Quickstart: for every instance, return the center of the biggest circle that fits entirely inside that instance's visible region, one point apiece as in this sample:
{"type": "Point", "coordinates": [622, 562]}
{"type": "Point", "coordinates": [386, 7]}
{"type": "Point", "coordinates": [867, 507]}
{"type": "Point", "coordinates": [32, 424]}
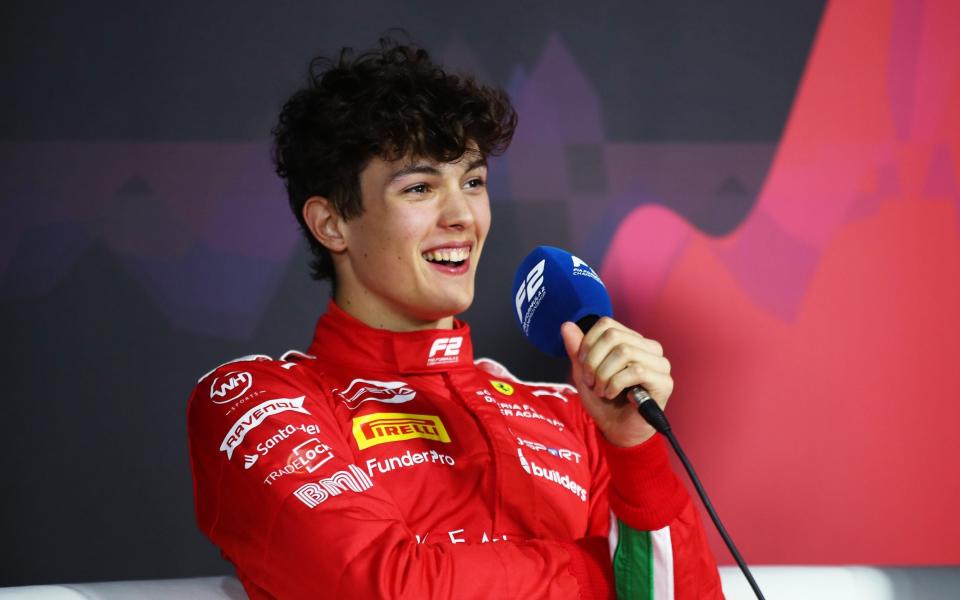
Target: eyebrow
{"type": "Point", "coordinates": [432, 170]}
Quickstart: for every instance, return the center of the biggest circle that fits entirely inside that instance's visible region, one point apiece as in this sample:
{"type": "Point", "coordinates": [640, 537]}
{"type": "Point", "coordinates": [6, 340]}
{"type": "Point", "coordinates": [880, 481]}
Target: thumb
{"type": "Point", "coordinates": [572, 338]}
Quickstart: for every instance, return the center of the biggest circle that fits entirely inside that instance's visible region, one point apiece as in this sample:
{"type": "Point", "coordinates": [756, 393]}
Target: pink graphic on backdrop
{"type": "Point", "coordinates": [814, 346]}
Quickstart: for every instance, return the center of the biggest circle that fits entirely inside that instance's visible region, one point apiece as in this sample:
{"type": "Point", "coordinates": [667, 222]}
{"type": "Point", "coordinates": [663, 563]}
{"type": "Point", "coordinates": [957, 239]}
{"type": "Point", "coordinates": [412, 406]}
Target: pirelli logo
{"type": "Point", "coordinates": [380, 428]}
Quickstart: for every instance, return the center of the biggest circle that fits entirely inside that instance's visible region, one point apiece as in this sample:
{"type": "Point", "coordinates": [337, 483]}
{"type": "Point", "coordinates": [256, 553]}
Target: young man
{"type": "Point", "coordinates": [386, 461]}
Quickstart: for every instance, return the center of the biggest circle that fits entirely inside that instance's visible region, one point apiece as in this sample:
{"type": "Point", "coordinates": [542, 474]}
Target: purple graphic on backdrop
{"type": "Point", "coordinates": [205, 230]}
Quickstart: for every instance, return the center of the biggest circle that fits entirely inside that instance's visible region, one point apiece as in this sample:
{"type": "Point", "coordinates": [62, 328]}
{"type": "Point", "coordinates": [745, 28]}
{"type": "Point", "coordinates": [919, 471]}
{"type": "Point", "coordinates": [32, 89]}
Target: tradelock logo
{"type": "Point", "coordinates": [230, 386]}
{"type": "Point", "coordinates": [388, 392]}
{"type": "Point", "coordinates": [308, 456]}
{"type": "Point", "coordinates": [351, 479]}
{"type": "Point", "coordinates": [445, 350]}
{"type": "Point", "coordinates": [257, 415]}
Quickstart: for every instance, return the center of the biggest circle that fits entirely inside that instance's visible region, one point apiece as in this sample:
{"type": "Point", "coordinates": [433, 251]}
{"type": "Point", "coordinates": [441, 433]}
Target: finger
{"type": "Point", "coordinates": [620, 357]}
{"type": "Point", "coordinates": [598, 329]}
{"type": "Point", "coordinates": [658, 385]}
{"type": "Point", "coordinates": [605, 343]}
{"type": "Point", "coordinates": [605, 324]}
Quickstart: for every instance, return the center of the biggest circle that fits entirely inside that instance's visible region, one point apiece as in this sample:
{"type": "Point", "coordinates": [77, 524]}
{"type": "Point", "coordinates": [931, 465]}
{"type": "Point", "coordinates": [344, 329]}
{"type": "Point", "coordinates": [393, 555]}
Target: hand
{"type": "Point", "coordinates": [607, 360]}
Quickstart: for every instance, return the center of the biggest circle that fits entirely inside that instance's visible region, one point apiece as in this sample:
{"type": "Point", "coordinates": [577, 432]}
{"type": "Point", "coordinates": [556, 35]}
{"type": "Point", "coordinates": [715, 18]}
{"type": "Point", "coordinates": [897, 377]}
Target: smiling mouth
{"type": "Point", "coordinates": [448, 257]}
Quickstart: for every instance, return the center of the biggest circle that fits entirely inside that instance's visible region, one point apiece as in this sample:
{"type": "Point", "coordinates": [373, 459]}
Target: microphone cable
{"type": "Point", "coordinates": [653, 414]}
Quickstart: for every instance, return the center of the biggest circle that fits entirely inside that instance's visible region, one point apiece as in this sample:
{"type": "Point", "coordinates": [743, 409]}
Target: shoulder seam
{"type": "Point", "coordinates": [247, 358]}
{"type": "Point", "coordinates": [515, 379]}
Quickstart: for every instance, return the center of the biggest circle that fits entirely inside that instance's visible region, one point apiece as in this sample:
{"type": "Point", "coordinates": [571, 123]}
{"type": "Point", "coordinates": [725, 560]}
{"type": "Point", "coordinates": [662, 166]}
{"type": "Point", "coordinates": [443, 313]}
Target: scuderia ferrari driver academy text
{"type": "Point", "coordinates": [384, 464]}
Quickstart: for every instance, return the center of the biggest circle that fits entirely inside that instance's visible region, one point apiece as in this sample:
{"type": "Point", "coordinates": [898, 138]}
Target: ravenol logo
{"type": "Point", "coordinates": [502, 386]}
{"type": "Point", "coordinates": [257, 415]}
{"type": "Point", "coordinates": [381, 428]}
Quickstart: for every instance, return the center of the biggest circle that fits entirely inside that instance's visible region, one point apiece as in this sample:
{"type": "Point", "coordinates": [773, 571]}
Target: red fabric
{"type": "Point", "coordinates": [391, 465]}
{"type": "Point", "coordinates": [590, 564]}
{"type": "Point", "coordinates": [646, 494]}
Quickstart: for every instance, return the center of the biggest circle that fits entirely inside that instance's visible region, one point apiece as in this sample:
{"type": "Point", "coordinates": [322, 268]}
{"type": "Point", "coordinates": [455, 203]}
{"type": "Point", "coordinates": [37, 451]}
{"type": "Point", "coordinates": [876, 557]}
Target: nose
{"type": "Point", "coordinates": [457, 212]}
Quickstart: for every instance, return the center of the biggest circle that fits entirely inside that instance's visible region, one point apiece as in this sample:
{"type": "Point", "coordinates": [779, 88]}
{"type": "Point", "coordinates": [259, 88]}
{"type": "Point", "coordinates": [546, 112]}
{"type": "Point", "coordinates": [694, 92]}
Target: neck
{"type": "Point", "coordinates": [372, 315]}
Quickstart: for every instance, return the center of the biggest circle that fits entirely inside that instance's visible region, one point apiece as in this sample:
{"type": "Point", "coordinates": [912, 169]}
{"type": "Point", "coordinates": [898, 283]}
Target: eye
{"type": "Point", "coordinates": [420, 188]}
{"type": "Point", "coordinates": [476, 182]}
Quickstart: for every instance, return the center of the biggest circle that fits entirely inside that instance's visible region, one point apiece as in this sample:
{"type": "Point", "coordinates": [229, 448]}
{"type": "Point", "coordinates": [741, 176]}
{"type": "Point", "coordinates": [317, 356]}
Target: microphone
{"type": "Point", "coordinates": [553, 286]}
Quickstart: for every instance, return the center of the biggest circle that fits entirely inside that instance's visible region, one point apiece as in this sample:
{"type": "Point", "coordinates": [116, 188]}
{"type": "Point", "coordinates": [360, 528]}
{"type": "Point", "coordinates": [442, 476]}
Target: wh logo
{"type": "Point", "coordinates": [529, 287]}
{"type": "Point", "coordinates": [230, 386]}
{"type": "Point", "coordinates": [450, 347]}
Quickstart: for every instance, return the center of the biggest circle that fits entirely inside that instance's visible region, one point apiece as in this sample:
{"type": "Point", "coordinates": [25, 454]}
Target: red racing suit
{"type": "Point", "coordinates": [385, 464]}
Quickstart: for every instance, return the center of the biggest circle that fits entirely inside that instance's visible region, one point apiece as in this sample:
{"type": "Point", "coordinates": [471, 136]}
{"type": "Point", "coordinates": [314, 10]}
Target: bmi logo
{"type": "Point", "coordinates": [351, 479]}
{"type": "Point", "coordinates": [445, 350]}
{"type": "Point", "coordinates": [381, 428]}
{"type": "Point", "coordinates": [230, 386]}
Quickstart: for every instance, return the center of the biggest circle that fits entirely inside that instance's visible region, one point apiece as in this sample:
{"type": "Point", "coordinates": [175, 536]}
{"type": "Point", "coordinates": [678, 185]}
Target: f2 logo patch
{"type": "Point", "coordinates": [445, 350]}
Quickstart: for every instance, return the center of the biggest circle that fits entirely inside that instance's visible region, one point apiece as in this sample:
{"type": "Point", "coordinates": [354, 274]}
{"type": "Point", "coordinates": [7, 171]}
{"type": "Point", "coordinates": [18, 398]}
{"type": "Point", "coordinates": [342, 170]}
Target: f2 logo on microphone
{"type": "Point", "coordinates": [529, 287]}
{"type": "Point", "coordinates": [450, 347]}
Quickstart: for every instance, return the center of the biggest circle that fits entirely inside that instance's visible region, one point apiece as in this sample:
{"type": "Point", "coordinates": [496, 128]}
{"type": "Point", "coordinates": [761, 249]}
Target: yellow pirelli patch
{"type": "Point", "coordinates": [381, 428]}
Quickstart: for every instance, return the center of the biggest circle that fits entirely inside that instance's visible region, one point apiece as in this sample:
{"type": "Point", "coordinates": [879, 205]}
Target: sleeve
{"type": "Point", "coordinates": [278, 489]}
{"type": "Point", "coordinates": [658, 543]}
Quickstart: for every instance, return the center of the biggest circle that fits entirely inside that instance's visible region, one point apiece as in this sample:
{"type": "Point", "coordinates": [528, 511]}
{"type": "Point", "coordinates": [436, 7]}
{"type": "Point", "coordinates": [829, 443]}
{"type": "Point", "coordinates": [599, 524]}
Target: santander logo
{"type": "Point", "coordinates": [388, 392]}
{"type": "Point", "coordinates": [230, 386]}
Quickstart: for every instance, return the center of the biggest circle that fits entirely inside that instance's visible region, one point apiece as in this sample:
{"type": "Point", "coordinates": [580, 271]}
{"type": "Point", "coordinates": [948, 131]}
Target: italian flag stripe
{"type": "Point", "coordinates": [643, 564]}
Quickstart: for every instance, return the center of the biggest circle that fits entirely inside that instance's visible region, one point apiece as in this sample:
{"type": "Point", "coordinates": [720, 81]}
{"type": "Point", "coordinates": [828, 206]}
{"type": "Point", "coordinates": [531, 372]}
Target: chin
{"type": "Point", "coordinates": [452, 306]}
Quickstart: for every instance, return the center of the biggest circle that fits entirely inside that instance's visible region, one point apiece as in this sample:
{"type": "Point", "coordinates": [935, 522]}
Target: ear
{"type": "Point", "coordinates": [325, 223]}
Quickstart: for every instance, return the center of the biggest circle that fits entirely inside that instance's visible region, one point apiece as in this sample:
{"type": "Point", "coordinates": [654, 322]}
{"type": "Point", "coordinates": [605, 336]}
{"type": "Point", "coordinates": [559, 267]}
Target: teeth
{"type": "Point", "coordinates": [448, 255]}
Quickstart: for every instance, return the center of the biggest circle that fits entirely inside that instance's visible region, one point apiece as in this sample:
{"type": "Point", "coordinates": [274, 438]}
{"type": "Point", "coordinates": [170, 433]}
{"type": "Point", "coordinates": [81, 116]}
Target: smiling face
{"type": "Point", "coordinates": [409, 260]}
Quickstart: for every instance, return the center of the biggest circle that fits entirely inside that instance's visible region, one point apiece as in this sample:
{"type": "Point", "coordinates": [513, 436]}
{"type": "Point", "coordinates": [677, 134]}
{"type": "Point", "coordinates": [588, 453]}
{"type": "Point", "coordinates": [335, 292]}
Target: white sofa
{"type": "Point", "coordinates": [777, 583]}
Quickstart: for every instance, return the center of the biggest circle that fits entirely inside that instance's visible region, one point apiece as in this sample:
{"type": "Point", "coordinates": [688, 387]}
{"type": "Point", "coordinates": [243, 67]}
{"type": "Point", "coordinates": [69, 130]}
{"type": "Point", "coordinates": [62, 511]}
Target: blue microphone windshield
{"type": "Point", "coordinates": [552, 286]}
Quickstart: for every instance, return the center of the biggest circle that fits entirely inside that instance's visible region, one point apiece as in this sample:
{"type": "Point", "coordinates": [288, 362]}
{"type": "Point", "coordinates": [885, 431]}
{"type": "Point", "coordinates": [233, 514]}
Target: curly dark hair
{"type": "Point", "coordinates": [389, 102]}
